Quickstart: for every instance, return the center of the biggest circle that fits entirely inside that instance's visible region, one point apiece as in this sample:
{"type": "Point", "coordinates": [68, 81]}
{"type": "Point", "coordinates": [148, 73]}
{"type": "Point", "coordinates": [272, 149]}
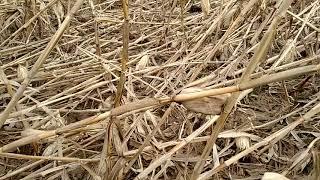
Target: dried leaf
{"type": "Point", "coordinates": [58, 10]}
{"type": "Point", "coordinates": [230, 16]}
{"type": "Point", "coordinates": [207, 105]}
{"type": "Point", "coordinates": [175, 43]}
{"type": "Point", "coordinates": [140, 128]}
{"type": "Point", "coordinates": [51, 149]}
{"type": "Point", "coordinates": [22, 72]}
{"type": "Point", "coordinates": [142, 64]}
{"type": "Point", "coordinates": [292, 52]}
{"type": "Point", "coordinates": [243, 142]}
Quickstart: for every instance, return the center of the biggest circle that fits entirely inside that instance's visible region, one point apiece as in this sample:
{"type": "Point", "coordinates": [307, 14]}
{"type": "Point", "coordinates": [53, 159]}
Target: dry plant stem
{"type": "Point", "coordinates": [178, 145]}
{"type": "Point", "coordinates": [226, 134]}
{"type": "Point", "coordinates": [46, 134]}
{"type": "Point", "coordinates": [103, 165]}
{"type": "Point", "coordinates": [152, 102]}
{"type": "Point", "coordinates": [125, 48]}
{"type": "Point", "coordinates": [11, 93]}
{"type": "Point", "coordinates": [66, 159]}
{"type": "Point", "coordinates": [270, 123]}
{"type": "Point", "coordinates": [277, 135]}
{"type": "Point", "coordinates": [316, 165]}
{"type": "Point", "coordinates": [166, 67]}
{"type": "Point", "coordinates": [114, 174]}
{"type": "Point", "coordinates": [4, 115]}
{"type": "Point", "coordinates": [56, 97]}
{"type": "Point", "coordinates": [96, 31]}
{"type": "Point", "coordinates": [257, 58]}
{"type": "Point", "coordinates": [277, 69]}
{"type": "Point", "coordinates": [97, 41]}
{"type": "Point", "coordinates": [205, 35]}
{"type": "Point", "coordinates": [182, 5]}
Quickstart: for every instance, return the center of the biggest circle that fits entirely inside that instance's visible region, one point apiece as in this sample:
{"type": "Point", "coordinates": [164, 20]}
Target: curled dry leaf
{"type": "Point", "coordinates": [22, 72]}
{"type": "Point", "coordinates": [143, 62]}
{"type": "Point", "coordinates": [175, 43]}
{"type": "Point", "coordinates": [272, 176]}
{"type": "Point", "coordinates": [205, 5]}
{"type": "Point", "coordinates": [51, 149]}
{"type": "Point", "coordinates": [243, 142]}
{"type": "Point", "coordinates": [206, 105]}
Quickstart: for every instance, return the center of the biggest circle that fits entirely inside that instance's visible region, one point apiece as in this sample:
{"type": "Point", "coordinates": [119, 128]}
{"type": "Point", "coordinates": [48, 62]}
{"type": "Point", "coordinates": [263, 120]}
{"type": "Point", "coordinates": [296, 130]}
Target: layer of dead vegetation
{"type": "Point", "coordinates": [56, 128]}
